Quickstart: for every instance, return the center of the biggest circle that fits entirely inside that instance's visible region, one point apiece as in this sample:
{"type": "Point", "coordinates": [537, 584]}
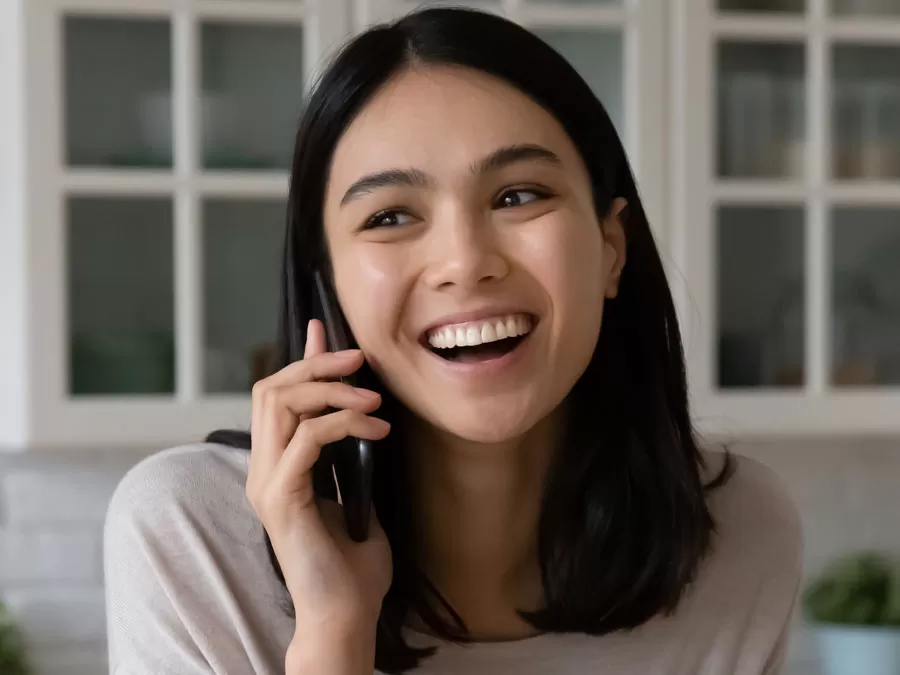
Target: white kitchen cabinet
{"type": "Point", "coordinates": [145, 168]}
{"type": "Point", "coordinates": [786, 213]}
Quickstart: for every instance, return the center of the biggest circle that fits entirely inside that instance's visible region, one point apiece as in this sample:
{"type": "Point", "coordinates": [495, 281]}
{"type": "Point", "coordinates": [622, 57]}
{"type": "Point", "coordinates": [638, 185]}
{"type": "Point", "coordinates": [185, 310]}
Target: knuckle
{"type": "Point", "coordinates": [272, 397]}
{"type": "Point", "coordinates": [354, 418]}
{"type": "Point", "coordinates": [259, 388]}
{"type": "Point", "coordinates": [306, 432]}
{"type": "Point", "coordinates": [346, 415]}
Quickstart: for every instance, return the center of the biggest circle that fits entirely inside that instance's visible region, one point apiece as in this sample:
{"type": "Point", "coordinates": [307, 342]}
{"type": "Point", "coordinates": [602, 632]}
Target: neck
{"type": "Point", "coordinates": [477, 513]}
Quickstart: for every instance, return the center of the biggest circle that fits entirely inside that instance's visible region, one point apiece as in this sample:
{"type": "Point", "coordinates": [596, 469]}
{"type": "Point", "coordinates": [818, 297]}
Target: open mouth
{"type": "Point", "coordinates": [480, 341]}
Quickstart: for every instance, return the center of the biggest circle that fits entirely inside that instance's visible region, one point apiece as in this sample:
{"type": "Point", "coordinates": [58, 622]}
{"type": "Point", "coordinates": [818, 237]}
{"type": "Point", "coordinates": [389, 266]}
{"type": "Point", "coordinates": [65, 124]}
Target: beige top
{"type": "Point", "coordinates": [189, 587]}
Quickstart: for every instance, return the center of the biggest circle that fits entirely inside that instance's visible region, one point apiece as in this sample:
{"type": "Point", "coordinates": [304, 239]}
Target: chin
{"type": "Point", "coordinates": [487, 424]}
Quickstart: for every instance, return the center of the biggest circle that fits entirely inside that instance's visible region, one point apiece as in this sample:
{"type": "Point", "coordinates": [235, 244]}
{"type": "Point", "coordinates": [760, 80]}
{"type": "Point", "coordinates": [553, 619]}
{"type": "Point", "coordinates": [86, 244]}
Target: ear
{"type": "Point", "coordinates": [614, 244]}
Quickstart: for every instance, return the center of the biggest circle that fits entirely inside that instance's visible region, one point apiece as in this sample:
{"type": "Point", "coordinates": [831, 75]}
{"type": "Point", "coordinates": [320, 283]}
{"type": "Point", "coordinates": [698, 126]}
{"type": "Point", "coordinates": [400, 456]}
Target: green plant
{"type": "Point", "coordinates": [12, 647]}
{"type": "Point", "coordinates": [862, 590]}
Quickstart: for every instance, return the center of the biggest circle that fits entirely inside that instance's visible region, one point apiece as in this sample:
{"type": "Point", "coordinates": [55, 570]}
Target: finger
{"type": "Point", "coordinates": [287, 407]}
{"type": "Point", "coordinates": [322, 366]}
{"type": "Point", "coordinates": [310, 398]}
{"type": "Point", "coordinates": [305, 447]}
{"type": "Point", "coordinates": [316, 342]}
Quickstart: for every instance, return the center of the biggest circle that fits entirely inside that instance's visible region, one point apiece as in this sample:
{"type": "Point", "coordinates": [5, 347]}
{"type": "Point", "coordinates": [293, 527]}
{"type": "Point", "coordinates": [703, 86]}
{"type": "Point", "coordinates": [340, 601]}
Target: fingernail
{"type": "Point", "coordinates": [347, 354]}
{"type": "Point", "coordinates": [367, 393]}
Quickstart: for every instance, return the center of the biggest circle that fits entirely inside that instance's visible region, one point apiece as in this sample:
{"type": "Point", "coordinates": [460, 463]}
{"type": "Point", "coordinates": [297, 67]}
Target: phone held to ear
{"type": "Point", "coordinates": [351, 457]}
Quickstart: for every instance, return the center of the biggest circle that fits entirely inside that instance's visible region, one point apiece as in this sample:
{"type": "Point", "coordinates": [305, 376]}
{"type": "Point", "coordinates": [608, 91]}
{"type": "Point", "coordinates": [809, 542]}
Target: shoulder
{"type": "Point", "coordinates": [754, 500]}
{"type": "Point", "coordinates": [197, 489]}
{"type": "Point", "coordinates": [193, 477]}
{"type": "Point", "coordinates": [184, 468]}
{"type": "Point", "coordinates": [758, 533]}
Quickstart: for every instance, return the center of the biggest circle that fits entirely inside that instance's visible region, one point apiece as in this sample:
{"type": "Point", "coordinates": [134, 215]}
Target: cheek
{"type": "Point", "coordinates": [568, 259]}
{"type": "Point", "coordinates": [362, 276]}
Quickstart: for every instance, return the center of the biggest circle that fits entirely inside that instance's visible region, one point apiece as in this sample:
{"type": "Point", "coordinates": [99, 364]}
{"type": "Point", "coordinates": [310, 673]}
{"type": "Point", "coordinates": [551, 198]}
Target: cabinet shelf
{"type": "Point", "coordinates": [860, 193]}
{"type": "Point", "coordinates": [767, 414]}
{"type": "Point", "coordinates": [117, 182]}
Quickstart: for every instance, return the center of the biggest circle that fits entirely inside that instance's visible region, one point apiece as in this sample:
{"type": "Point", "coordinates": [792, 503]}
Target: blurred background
{"type": "Point", "coordinates": [144, 151]}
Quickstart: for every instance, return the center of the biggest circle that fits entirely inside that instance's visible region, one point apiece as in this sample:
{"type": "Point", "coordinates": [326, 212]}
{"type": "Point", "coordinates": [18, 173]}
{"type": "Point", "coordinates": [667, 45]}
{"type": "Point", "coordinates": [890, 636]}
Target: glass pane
{"type": "Point", "coordinates": [242, 243]}
{"type": "Point", "coordinates": [118, 92]}
{"type": "Point", "coordinates": [866, 7]}
{"type": "Point", "coordinates": [121, 296]}
{"type": "Point", "coordinates": [866, 297]}
{"type": "Point", "coordinates": [866, 112]}
{"type": "Point", "coordinates": [597, 56]}
{"type": "Point", "coordinates": [252, 94]}
{"type": "Point", "coordinates": [761, 299]}
{"type": "Point", "coordinates": [762, 5]}
{"type": "Point", "coordinates": [761, 110]}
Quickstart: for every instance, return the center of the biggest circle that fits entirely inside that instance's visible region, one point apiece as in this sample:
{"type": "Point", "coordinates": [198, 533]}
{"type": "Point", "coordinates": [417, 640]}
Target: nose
{"type": "Point", "coordinates": [466, 252]}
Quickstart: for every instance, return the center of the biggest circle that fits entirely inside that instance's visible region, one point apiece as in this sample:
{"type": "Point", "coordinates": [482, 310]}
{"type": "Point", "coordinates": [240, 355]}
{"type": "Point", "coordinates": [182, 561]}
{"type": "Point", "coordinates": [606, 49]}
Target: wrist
{"type": "Point", "coordinates": [348, 649]}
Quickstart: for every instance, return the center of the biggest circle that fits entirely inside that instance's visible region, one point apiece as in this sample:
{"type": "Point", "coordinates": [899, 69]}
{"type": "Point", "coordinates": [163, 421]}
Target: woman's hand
{"type": "Point", "coordinates": [337, 585]}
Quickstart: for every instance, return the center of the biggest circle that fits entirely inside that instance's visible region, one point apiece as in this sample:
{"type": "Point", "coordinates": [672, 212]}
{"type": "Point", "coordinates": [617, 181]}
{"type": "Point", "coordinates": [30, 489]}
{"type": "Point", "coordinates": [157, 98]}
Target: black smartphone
{"type": "Point", "coordinates": [351, 457]}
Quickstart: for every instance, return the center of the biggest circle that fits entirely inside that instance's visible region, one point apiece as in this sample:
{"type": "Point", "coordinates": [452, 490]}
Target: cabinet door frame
{"type": "Point", "coordinates": [816, 408]}
{"type": "Point", "coordinates": [54, 419]}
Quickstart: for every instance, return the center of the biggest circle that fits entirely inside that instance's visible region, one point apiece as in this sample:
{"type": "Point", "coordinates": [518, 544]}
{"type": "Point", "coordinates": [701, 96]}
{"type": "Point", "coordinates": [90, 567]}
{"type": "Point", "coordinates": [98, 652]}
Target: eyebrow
{"type": "Point", "coordinates": [496, 160]}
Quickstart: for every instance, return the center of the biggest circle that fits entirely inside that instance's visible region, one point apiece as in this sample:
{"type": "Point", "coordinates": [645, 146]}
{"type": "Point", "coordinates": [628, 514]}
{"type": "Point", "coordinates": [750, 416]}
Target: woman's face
{"type": "Point", "coordinates": [458, 211]}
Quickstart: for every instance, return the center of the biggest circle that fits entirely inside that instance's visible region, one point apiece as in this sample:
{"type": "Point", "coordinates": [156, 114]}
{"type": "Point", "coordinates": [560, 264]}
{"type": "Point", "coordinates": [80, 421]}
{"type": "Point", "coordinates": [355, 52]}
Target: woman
{"type": "Point", "coordinates": [545, 506]}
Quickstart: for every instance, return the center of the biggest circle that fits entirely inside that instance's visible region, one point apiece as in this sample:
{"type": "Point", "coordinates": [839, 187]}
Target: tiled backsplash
{"type": "Point", "coordinates": [51, 566]}
{"type": "Point", "coordinates": [52, 507]}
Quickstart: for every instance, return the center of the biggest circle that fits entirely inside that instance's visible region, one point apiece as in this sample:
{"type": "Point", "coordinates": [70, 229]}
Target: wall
{"type": "Point", "coordinates": [51, 511]}
{"type": "Point", "coordinates": [51, 516]}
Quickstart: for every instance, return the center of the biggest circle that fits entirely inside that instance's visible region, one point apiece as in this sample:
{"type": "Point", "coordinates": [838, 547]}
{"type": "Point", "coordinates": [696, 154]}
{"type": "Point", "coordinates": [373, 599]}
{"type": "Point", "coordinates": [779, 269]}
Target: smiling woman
{"type": "Point", "coordinates": [542, 503]}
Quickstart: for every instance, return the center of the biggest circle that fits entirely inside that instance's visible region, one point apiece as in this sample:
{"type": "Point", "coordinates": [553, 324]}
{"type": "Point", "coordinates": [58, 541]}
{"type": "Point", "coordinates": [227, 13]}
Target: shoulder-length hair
{"type": "Point", "coordinates": [624, 523]}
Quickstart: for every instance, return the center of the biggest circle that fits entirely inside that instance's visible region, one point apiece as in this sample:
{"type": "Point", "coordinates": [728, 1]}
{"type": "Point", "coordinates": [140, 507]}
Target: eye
{"type": "Point", "coordinates": [387, 218]}
{"type": "Point", "coordinates": [518, 197]}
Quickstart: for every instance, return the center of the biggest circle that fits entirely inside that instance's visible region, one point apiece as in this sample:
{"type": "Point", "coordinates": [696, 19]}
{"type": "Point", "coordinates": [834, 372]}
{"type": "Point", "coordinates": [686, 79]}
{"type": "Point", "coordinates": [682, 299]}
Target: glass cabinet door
{"type": "Point", "coordinates": [803, 243]}
{"type": "Point", "coordinates": [173, 271]}
{"type": "Point", "coordinates": [759, 251]}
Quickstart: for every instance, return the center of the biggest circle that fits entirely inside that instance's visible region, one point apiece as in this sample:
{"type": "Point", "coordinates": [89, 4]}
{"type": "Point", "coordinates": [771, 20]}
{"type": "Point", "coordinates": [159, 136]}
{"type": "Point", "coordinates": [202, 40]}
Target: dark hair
{"type": "Point", "coordinates": [625, 522]}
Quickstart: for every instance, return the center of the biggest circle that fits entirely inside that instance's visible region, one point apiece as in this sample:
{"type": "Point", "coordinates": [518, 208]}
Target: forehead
{"type": "Point", "coordinates": [442, 118]}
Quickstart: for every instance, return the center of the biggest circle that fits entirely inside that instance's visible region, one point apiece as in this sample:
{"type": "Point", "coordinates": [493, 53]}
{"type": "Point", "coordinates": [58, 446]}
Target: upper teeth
{"type": "Point", "coordinates": [478, 332]}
